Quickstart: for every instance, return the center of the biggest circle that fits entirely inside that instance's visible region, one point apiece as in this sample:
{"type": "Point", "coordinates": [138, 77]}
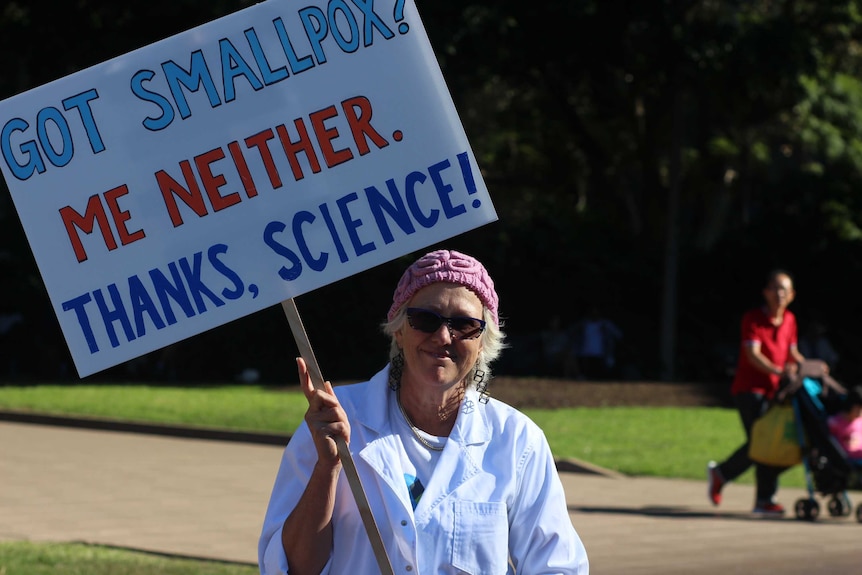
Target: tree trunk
{"type": "Point", "coordinates": [667, 324]}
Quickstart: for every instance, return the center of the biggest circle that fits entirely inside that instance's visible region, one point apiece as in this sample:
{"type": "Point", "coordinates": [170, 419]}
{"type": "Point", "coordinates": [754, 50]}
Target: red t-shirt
{"type": "Point", "coordinates": [775, 342]}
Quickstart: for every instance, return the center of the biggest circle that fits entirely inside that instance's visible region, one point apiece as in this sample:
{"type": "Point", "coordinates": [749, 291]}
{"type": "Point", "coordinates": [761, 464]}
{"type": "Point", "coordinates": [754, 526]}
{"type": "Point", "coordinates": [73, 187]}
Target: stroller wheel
{"type": "Point", "coordinates": [839, 505]}
{"type": "Point", "coordinates": [807, 509]}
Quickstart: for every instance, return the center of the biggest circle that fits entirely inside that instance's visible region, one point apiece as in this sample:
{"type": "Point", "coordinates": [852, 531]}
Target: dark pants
{"type": "Point", "coordinates": [750, 407]}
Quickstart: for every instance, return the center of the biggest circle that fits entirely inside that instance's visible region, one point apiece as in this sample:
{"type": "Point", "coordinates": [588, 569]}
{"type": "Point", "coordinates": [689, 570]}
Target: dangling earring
{"type": "Point", "coordinates": [481, 386]}
{"type": "Point", "coordinates": [396, 368]}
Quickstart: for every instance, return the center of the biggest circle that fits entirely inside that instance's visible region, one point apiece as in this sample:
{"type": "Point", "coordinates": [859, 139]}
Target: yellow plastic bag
{"type": "Point", "coordinates": [774, 439]}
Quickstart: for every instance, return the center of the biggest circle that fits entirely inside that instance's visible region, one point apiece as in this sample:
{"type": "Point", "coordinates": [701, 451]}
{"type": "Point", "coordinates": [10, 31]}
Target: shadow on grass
{"type": "Point", "coordinates": [672, 512]}
{"type": "Point", "coordinates": [163, 554]}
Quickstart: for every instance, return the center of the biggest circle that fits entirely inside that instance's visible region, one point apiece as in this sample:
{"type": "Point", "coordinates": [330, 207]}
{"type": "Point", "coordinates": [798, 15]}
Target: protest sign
{"type": "Point", "coordinates": [233, 166]}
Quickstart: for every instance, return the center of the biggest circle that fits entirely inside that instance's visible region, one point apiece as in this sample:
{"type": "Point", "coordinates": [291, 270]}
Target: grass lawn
{"type": "Point", "coordinates": [654, 441]}
{"type": "Point", "coordinates": [651, 441]}
{"type": "Point", "coordinates": [247, 408]}
{"type": "Point", "coordinates": [26, 558]}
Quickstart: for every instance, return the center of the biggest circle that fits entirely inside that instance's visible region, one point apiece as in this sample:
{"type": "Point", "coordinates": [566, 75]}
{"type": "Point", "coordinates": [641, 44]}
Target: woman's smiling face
{"type": "Point", "coordinates": [436, 359]}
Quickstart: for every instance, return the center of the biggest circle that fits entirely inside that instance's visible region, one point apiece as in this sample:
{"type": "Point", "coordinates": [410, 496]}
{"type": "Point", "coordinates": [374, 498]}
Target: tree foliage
{"type": "Point", "coordinates": [655, 158]}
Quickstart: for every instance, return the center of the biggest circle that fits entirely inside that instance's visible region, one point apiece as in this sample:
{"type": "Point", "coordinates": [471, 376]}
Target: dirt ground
{"type": "Point", "coordinates": [524, 392]}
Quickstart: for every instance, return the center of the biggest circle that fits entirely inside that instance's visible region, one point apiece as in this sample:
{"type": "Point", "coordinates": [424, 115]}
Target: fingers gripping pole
{"type": "Point", "coordinates": [307, 354]}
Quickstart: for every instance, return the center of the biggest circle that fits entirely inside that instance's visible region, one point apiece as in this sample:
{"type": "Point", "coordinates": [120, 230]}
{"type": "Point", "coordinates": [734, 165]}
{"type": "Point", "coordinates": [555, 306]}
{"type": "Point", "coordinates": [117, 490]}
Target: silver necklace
{"type": "Point", "coordinates": [414, 429]}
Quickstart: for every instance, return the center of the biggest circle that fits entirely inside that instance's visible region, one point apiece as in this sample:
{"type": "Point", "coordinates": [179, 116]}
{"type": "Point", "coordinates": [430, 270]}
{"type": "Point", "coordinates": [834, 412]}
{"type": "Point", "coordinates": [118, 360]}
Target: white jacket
{"type": "Point", "coordinates": [493, 505]}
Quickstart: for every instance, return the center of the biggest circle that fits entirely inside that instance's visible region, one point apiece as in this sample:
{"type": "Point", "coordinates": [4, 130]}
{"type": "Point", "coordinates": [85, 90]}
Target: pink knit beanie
{"type": "Point", "coordinates": [446, 266]}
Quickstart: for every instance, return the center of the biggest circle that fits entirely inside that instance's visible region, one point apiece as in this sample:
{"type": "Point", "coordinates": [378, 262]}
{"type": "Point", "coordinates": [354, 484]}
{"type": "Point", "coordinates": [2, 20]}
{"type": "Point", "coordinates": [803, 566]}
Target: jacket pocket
{"type": "Point", "coordinates": [481, 539]}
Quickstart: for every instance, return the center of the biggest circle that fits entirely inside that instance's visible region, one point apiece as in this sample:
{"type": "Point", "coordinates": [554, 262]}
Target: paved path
{"type": "Point", "coordinates": [205, 498]}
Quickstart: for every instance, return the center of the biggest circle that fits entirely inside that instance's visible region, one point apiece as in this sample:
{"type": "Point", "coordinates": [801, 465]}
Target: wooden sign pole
{"type": "Point", "coordinates": [317, 380]}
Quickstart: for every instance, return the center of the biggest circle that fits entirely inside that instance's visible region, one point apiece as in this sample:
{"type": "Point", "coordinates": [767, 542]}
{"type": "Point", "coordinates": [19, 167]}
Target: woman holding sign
{"type": "Point", "coordinates": [457, 482]}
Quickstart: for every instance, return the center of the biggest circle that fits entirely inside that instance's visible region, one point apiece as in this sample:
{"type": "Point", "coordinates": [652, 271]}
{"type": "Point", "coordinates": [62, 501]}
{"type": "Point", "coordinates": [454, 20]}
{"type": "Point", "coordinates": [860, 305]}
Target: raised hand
{"type": "Point", "coordinates": [325, 418]}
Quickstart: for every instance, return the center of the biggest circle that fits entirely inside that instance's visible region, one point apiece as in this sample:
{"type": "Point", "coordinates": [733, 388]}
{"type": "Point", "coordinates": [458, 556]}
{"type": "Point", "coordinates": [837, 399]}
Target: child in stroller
{"type": "Point", "coordinates": [818, 401]}
{"type": "Point", "coordinates": [846, 426]}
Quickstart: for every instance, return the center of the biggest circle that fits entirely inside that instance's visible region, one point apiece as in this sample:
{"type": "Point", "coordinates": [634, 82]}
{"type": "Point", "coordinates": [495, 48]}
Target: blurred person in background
{"type": "Point", "coordinates": [768, 351]}
{"type": "Point", "coordinates": [593, 342]}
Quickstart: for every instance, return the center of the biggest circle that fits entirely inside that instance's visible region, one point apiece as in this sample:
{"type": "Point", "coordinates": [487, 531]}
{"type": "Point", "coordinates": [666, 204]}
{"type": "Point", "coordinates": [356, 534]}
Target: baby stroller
{"type": "Point", "coordinates": [828, 470]}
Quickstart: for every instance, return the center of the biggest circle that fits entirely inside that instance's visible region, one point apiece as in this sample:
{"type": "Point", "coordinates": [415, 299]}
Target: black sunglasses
{"type": "Point", "coordinates": [428, 321]}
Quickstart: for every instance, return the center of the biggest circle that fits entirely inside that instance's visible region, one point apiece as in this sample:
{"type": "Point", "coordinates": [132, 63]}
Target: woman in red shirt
{"type": "Point", "coordinates": [767, 351]}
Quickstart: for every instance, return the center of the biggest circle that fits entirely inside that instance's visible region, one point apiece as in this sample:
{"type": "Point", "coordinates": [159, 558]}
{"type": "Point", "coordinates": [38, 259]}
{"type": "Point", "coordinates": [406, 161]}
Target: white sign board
{"type": "Point", "coordinates": [233, 166]}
